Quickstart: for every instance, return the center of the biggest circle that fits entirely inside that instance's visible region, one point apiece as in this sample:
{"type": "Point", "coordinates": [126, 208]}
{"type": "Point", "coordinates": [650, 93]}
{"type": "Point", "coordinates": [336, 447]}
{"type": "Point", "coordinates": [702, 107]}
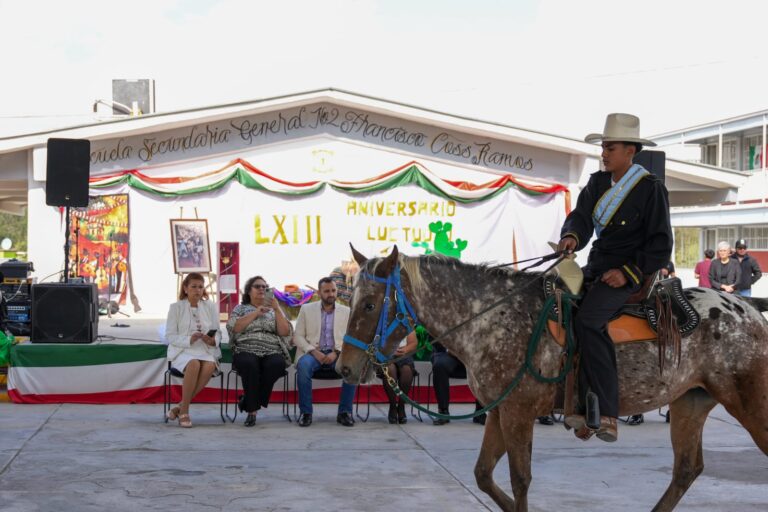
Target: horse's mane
{"type": "Point", "coordinates": [412, 265]}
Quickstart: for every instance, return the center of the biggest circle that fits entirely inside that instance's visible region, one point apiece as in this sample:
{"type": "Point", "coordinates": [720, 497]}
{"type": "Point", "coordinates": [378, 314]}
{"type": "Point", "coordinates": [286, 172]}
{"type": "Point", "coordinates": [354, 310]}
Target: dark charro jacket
{"type": "Point", "coordinates": [638, 239]}
{"type": "Point", "coordinates": [750, 272]}
{"type": "Point", "coordinates": [720, 274]}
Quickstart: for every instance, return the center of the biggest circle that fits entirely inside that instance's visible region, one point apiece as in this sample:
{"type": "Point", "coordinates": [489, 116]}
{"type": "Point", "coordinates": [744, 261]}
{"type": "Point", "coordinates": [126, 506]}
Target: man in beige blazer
{"type": "Point", "coordinates": [318, 337]}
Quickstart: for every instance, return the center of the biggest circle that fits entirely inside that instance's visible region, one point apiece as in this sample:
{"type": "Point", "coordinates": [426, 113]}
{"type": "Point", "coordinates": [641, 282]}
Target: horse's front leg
{"type": "Point", "coordinates": [516, 425]}
{"type": "Point", "coordinates": [491, 451]}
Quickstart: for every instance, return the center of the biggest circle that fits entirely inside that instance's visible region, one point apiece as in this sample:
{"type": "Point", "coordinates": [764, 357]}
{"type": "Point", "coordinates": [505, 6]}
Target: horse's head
{"type": "Point", "coordinates": [381, 315]}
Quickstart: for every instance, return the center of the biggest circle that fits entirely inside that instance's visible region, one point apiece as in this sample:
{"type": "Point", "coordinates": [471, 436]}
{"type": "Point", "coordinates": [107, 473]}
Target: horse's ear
{"type": "Point", "coordinates": [359, 258]}
{"type": "Point", "coordinates": [388, 264]}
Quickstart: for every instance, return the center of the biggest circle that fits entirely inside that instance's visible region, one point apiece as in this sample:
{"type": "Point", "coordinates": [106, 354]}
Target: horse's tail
{"type": "Point", "coordinates": [758, 303]}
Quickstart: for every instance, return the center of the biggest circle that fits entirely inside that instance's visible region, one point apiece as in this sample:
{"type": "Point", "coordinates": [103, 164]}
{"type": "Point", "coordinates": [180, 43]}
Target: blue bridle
{"type": "Point", "coordinates": [403, 315]}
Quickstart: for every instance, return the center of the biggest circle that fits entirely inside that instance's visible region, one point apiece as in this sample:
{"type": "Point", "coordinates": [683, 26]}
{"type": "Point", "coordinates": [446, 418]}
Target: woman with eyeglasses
{"type": "Point", "coordinates": [724, 272]}
{"type": "Point", "coordinates": [256, 327]}
{"type": "Point", "coordinates": [192, 331]}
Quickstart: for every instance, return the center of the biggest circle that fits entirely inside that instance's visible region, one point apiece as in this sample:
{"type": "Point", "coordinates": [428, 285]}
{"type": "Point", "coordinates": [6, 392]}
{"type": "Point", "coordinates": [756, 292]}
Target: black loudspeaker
{"type": "Point", "coordinates": [64, 313]}
{"type": "Point", "coordinates": [67, 172]}
{"type": "Point", "coordinates": [654, 162]}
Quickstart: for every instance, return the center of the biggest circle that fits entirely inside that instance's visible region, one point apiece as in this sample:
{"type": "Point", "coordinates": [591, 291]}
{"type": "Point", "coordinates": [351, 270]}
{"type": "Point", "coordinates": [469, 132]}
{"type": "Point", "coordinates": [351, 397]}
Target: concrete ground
{"type": "Point", "coordinates": [124, 457]}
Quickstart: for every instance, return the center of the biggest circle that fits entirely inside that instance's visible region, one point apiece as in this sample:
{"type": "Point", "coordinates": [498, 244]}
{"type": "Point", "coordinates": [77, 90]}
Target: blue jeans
{"type": "Point", "coordinates": [305, 369]}
{"type": "Point", "coordinates": [745, 293]}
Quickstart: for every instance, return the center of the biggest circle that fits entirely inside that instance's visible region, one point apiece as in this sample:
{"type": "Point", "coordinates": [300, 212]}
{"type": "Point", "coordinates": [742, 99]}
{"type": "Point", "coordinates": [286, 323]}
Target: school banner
{"type": "Point", "coordinates": [295, 233]}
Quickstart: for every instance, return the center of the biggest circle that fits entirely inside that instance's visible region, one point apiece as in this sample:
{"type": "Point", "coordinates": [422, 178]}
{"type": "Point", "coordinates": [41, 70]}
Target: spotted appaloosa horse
{"type": "Point", "coordinates": [725, 360]}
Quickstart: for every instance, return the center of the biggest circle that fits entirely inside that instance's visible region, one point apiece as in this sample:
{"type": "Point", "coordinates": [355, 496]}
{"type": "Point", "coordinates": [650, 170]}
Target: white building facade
{"type": "Point", "coordinates": [737, 144]}
{"type": "Point", "coordinates": [293, 180]}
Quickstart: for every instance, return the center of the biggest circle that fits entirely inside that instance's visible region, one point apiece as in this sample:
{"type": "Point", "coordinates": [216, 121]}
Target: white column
{"type": "Point", "coordinates": [762, 160]}
{"type": "Point", "coordinates": [720, 146]}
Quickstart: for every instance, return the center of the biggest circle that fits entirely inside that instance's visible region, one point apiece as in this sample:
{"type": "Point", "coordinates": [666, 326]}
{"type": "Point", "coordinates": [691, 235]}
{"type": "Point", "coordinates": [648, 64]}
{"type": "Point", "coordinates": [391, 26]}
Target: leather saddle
{"type": "Point", "coordinates": [659, 301]}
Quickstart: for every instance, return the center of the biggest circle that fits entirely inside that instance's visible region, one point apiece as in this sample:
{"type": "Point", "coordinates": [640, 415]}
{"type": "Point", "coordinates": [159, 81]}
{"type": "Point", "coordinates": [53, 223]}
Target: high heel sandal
{"type": "Point", "coordinates": [185, 421]}
{"type": "Point", "coordinates": [401, 416]}
{"type": "Point", "coordinates": [173, 413]}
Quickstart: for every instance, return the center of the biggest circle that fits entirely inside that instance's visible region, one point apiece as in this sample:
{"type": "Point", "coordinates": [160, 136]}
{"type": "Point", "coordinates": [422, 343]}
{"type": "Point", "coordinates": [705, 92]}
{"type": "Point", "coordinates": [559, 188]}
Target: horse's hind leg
{"type": "Point", "coordinates": [746, 399]}
{"type": "Point", "coordinates": [491, 451]}
{"type": "Point", "coordinates": [687, 416]}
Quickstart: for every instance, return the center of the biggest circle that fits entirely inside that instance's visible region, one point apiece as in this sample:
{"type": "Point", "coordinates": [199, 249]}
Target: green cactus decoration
{"type": "Point", "coordinates": [442, 244]}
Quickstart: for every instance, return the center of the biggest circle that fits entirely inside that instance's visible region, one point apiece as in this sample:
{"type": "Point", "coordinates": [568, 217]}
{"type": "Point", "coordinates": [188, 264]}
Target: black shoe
{"type": "Point", "coordinates": [480, 419]}
{"type": "Point", "coordinates": [305, 419]}
{"type": "Point", "coordinates": [402, 418]}
{"type": "Point", "coordinates": [250, 420]}
{"type": "Point", "coordinates": [392, 415]}
{"type": "Point", "coordinates": [241, 403]}
{"type": "Point", "coordinates": [346, 419]}
{"type": "Point", "coordinates": [546, 420]}
{"type": "Point", "coordinates": [441, 421]}
{"type": "Point", "coordinates": [637, 419]}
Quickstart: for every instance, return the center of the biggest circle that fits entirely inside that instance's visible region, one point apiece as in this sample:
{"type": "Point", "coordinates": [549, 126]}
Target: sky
{"type": "Point", "coordinates": [553, 66]}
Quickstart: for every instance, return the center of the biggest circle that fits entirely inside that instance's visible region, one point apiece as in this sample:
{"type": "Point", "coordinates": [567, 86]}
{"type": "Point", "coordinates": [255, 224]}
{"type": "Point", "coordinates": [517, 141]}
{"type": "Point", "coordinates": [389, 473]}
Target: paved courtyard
{"type": "Point", "coordinates": [123, 457]}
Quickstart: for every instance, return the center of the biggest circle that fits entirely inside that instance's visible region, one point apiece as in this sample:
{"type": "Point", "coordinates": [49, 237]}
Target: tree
{"type": "Point", "coordinates": [15, 228]}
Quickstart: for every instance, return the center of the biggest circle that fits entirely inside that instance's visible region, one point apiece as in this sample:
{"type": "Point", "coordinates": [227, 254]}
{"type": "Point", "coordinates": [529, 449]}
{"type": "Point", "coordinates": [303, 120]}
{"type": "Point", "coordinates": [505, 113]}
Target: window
{"type": "Point", "coordinates": [710, 240]}
{"type": "Point", "coordinates": [730, 161]}
{"type": "Point", "coordinates": [753, 153]}
{"type": "Point", "coordinates": [725, 234]}
{"type": "Point", "coordinates": [709, 154]}
{"type": "Point", "coordinates": [756, 236]}
{"type": "Point", "coordinates": [686, 247]}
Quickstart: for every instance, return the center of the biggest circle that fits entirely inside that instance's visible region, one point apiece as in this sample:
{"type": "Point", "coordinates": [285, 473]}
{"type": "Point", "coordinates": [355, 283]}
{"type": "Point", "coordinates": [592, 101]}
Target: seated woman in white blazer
{"type": "Point", "coordinates": [192, 331]}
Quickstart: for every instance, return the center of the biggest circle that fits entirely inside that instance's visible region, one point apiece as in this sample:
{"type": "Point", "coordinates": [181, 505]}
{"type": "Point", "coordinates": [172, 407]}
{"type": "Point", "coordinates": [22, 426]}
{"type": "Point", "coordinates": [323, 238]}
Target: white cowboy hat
{"type": "Point", "coordinates": [620, 128]}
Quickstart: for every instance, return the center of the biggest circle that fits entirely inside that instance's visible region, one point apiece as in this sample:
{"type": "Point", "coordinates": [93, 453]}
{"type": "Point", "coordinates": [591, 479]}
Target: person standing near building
{"type": "Point", "coordinates": [750, 269]}
{"type": "Point", "coordinates": [725, 271]}
{"type": "Point", "coordinates": [701, 271]}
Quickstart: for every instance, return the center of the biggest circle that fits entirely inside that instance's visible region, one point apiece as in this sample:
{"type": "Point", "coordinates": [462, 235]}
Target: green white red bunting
{"type": "Point", "coordinates": [412, 173]}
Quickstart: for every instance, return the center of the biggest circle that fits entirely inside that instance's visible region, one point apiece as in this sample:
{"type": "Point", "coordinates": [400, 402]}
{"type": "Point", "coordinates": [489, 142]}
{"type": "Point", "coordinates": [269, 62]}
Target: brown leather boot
{"type": "Point", "coordinates": [609, 430]}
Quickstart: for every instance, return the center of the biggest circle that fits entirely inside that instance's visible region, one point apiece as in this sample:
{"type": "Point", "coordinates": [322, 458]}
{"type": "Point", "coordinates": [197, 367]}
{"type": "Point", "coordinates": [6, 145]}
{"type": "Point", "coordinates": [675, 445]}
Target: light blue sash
{"type": "Point", "coordinates": [607, 206]}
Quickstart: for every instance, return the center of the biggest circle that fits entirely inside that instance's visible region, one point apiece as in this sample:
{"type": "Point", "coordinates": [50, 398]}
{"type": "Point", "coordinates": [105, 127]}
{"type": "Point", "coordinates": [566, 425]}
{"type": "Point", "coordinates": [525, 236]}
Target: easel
{"type": "Point", "coordinates": [228, 265]}
{"type": "Point", "coordinates": [208, 275]}
{"type": "Point", "coordinates": [110, 264]}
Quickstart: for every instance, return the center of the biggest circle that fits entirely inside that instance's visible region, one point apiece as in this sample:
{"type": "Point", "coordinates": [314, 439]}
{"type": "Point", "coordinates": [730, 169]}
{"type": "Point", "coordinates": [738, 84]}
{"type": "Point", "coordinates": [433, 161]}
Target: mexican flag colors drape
{"type": "Point", "coordinates": [293, 232]}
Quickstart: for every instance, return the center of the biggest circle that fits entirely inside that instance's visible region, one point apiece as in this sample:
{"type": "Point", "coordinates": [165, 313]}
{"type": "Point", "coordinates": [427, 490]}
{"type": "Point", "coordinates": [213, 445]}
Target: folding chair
{"type": "Point", "coordinates": [225, 404]}
{"type": "Point", "coordinates": [321, 374]}
{"type": "Point", "coordinates": [172, 372]}
{"type": "Point", "coordinates": [368, 399]}
{"type": "Point", "coordinates": [459, 375]}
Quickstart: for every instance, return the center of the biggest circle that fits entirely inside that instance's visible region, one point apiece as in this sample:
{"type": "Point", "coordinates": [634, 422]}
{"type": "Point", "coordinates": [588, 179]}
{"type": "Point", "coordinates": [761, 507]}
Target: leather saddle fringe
{"type": "Point", "coordinates": [667, 331]}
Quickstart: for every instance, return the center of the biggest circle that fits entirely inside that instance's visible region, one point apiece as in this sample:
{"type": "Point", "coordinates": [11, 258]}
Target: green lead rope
{"type": "Point", "coordinates": [527, 367]}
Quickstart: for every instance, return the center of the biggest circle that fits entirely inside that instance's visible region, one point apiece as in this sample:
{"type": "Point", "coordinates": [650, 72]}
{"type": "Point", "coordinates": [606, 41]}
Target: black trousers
{"type": "Point", "coordinates": [597, 367]}
{"type": "Point", "coordinates": [445, 367]}
{"type": "Point", "coordinates": [259, 375]}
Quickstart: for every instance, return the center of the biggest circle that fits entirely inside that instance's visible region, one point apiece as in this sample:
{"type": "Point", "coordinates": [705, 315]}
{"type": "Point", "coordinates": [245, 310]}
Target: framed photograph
{"type": "Point", "coordinates": [191, 250]}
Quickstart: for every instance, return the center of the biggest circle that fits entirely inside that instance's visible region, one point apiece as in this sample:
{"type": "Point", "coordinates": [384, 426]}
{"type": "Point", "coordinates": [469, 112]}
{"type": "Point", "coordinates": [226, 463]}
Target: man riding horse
{"type": "Point", "coordinates": [628, 210]}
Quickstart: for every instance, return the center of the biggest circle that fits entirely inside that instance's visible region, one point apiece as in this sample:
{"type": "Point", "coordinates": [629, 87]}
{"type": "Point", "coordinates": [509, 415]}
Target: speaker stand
{"type": "Point", "coordinates": [66, 245]}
